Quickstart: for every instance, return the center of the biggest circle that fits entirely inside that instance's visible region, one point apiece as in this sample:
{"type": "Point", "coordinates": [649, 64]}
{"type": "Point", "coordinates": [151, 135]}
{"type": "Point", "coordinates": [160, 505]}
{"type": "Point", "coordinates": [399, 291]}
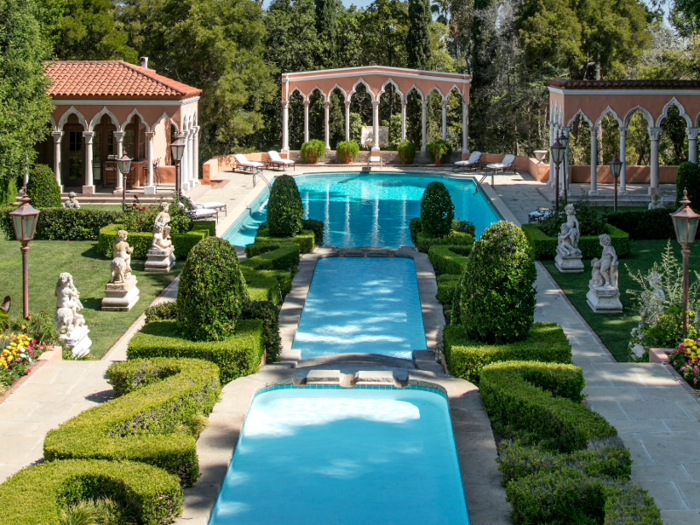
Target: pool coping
{"type": "Point", "coordinates": [474, 441]}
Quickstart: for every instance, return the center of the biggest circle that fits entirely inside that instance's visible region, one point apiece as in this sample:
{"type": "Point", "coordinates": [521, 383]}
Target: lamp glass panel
{"type": "Point", "coordinates": [35, 220]}
{"type": "Point", "coordinates": [124, 165]}
{"type": "Point", "coordinates": [615, 167]}
{"type": "Point", "coordinates": [681, 226]}
{"type": "Point", "coordinates": [177, 149]}
{"type": "Point", "coordinates": [27, 227]}
{"type": "Point", "coordinates": [692, 230]}
{"type": "Point", "coordinates": [557, 154]}
{"type": "Point", "coordinates": [17, 224]}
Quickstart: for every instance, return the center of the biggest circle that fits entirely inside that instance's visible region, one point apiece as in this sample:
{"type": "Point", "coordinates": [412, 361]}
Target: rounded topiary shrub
{"type": "Point", "coordinates": [497, 297]}
{"type": "Point", "coordinates": [43, 189]}
{"type": "Point", "coordinates": [285, 212]}
{"type": "Point", "coordinates": [407, 152]}
{"type": "Point", "coordinates": [312, 151]}
{"type": "Point", "coordinates": [688, 178]}
{"type": "Point", "coordinates": [346, 152]}
{"type": "Point", "coordinates": [436, 210]}
{"type": "Point", "coordinates": [211, 291]}
{"type": "Point", "coordinates": [439, 151]}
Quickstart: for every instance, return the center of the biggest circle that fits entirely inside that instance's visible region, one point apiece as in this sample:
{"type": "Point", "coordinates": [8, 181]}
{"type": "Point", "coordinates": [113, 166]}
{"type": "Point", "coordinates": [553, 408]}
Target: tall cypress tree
{"type": "Point", "coordinates": [418, 42]}
{"type": "Point", "coordinates": [327, 30]}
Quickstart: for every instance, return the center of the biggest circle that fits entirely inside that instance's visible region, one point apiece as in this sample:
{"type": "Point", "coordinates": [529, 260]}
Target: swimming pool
{"type": "Point", "coordinates": [369, 209]}
{"type": "Point", "coordinates": [368, 305]}
{"type": "Point", "coordinates": [329, 455]}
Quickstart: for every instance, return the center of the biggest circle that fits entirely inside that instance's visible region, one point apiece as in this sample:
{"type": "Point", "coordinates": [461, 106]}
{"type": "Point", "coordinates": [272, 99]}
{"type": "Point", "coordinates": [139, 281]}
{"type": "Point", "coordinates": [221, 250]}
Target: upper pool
{"type": "Point", "coordinates": [371, 209]}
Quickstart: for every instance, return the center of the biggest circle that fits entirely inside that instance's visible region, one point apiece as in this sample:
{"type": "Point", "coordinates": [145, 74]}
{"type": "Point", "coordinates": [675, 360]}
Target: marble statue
{"type": "Point", "coordinates": [572, 223]}
{"type": "Point", "coordinates": [71, 324]}
{"type": "Point", "coordinates": [568, 258]}
{"type": "Point", "coordinates": [651, 308]}
{"type": "Point", "coordinates": [160, 257]}
{"type": "Point", "coordinates": [121, 263]}
{"type": "Point", "coordinates": [603, 292]}
{"type": "Point", "coordinates": [121, 293]}
{"type": "Point", "coordinates": [72, 202]}
{"type": "Point", "coordinates": [657, 202]}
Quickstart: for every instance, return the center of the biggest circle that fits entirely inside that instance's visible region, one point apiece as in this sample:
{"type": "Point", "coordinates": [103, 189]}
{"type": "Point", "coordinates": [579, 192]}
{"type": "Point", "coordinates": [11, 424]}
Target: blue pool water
{"type": "Point", "coordinates": [362, 305]}
{"type": "Point", "coordinates": [344, 456]}
{"type": "Point", "coordinates": [371, 209]}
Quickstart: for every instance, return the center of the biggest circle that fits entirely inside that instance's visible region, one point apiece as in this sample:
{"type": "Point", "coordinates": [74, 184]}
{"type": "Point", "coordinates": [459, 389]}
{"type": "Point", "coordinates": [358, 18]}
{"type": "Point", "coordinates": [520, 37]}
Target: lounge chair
{"type": "Point", "coordinates": [473, 162]}
{"type": "Point", "coordinates": [200, 214]}
{"type": "Point", "coordinates": [248, 165]}
{"type": "Point", "coordinates": [206, 205]}
{"type": "Point", "coordinates": [276, 160]}
{"type": "Point", "coordinates": [506, 164]}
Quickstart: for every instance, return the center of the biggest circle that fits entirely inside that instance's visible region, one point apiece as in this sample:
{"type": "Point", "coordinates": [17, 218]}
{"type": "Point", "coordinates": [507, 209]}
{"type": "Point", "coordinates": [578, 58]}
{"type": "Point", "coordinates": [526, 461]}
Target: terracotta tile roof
{"type": "Point", "coordinates": [624, 84]}
{"type": "Point", "coordinates": [111, 79]}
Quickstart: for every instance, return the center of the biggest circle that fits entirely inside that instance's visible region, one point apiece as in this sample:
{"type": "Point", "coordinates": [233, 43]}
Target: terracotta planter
{"type": "Point", "coordinates": [312, 158]}
{"type": "Point", "coordinates": [347, 159]}
{"type": "Point", "coordinates": [438, 160]}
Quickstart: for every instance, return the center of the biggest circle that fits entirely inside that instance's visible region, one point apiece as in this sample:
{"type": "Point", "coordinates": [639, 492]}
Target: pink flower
{"type": "Point", "coordinates": [695, 381]}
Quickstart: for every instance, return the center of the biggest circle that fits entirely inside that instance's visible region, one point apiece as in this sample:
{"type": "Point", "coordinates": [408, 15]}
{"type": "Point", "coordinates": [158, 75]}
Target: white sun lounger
{"type": "Point", "coordinates": [276, 160]}
{"type": "Point", "coordinates": [472, 162]}
{"type": "Point", "coordinates": [206, 205]}
{"type": "Point", "coordinates": [248, 165]}
{"type": "Point", "coordinates": [505, 164]}
{"type": "Point", "coordinates": [200, 214]}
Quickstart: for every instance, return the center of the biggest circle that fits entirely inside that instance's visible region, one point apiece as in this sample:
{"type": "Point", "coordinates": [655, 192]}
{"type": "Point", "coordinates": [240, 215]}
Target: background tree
{"type": "Point", "coordinates": [418, 41]}
{"type": "Point", "coordinates": [327, 30]}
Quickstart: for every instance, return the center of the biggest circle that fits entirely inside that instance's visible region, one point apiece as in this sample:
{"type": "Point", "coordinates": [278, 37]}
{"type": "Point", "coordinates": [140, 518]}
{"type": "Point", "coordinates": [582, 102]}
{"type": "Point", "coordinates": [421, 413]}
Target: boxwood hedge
{"type": "Point", "coordinates": [36, 494]}
{"type": "Point", "coordinates": [644, 225]}
{"type": "Point", "coordinates": [545, 247]}
{"type": "Point", "coordinates": [62, 224]}
{"type": "Point", "coordinates": [423, 242]}
{"type": "Point", "coordinates": [141, 241]}
{"type": "Point", "coordinates": [436, 210]}
{"type": "Point", "coordinates": [448, 259]}
{"type": "Point", "coordinates": [305, 239]}
{"type": "Point", "coordinates": [148, 422]}
{"type": "Point", "coordinates": [285, 211]}
{"type": "Point", "coordinates": [281, 258]}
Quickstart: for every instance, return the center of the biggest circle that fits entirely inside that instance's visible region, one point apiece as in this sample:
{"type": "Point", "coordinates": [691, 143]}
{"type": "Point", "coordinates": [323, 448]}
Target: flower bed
{"type": "Point", "coordinates": [686, 360]}
{"type": "Point", "coordinates": [17, 352]}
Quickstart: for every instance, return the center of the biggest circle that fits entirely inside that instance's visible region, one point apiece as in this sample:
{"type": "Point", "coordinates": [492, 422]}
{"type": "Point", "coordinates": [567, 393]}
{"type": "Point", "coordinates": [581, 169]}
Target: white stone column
{"type": "Point", "coordinates": [89, 186]}
{"type": "Point", "coordinates": [149, 188]}
{"type": "Point", "coordinates": [623, 157]}
{"type": "Point", "coordinates": [195, 153]}
{"type": "Point", "coordinates": [285, 126]}
{"type": "Point", "coordinates": [185, 162]}
{"type": "Point", "coordinates": [119, 137]}
{"type": "Point", "coordinates": [594, 161]}
{"type": "Point", "coordinates": [692, 144]}
{"type": "Point", "coordinates": [424, 124]}
{"type": "Point", "coordinates": [403, 119]}
{"type": "Point", "coordinates": [375, 125]}
{"type": "Point", "coordinates": [347, 121]}
{"type": "Point", "coordinates": [465, 126]}
{"type": "Point", "coordinates": [57, 136]}
{"type": "Point", "coordinates": [444, 119]}
{"type": "Point", "coordinates": [193, 160]}
{"type": "Point", "coordinates": [655, 136]}
{"type": "Point", "coordinates": [306, 121]}
{"type": "Point", "coordinates": [327, 127]}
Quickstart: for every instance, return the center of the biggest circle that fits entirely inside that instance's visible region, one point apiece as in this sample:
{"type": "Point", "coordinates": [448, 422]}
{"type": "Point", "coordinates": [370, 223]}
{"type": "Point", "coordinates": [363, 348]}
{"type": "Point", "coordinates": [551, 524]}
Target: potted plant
{"type": "Point", "coordinates": [438, 151]}
{"type": "Point", "coordinates": [311, 151]}
{"type": "Point", "coordinates": [407, 152]}
{"type": "Point", "coordinates": [346, 152]}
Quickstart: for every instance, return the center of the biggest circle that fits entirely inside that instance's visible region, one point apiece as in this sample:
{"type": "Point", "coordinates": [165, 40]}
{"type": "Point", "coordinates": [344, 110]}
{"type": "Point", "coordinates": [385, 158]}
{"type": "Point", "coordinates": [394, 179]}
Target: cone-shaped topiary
{"type": "Point", "coordinates": [285, 212]}
{"type": "Point", "coordinates": [497, 297]}
{"type": "Point", "coordinates": [43, 189]}
{"type": "Point", "coordinates": [436, 210]}
{"type": "Point", "coordinates": [211, 291]}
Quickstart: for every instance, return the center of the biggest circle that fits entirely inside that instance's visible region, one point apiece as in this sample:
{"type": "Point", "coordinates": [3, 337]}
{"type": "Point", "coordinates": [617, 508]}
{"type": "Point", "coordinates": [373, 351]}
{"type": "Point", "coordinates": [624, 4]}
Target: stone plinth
{"type": "Point", "coordinates": [604, 300]}
{"type": "Point", "coordinates": [568, 263]}
{"type": "Point", "coordinates": [77, 341]}
{"type": "Point", "coordinates": [160, 260]}
{"type": "Point", "coordinates": [121, 297]}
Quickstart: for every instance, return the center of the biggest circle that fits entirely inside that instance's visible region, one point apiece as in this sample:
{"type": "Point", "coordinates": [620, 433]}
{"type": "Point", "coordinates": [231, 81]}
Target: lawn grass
{"type": "Point", "coordinates": [101, 207]}
{"type": "Point", "coordinates": [614, 329]}
{"type": "Point", "coordinates": [90, 273]}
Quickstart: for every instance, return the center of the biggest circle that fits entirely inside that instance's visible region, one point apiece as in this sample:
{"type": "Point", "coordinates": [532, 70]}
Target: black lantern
{"type": "Point", "coordinates": [177, 150]}
{"type": "Point", "coordinates": [556, 155]}
{"type": "Point", "coordinates": [24, 221]}
{"type": "Point", "coordinates": [685, 222]}
{"type": "Point", "coordinates": [615, 169]}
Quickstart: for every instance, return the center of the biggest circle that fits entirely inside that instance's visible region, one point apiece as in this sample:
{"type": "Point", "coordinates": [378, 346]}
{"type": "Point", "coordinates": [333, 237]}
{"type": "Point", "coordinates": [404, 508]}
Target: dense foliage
{"type": "Point", "coordinates": [407, 152]}
{"type": "Point", "coordinates": [211, 291]}
{"type": "Point", "coordinates": [43, 189]}
{"type": "Point", "coordinates": [439, 151]}
{"type": "Point", "coordinates": [347, 152]}
{"type": "Point", "coordinates": [436, 210]}
{"type": "Point", "coordinates": [497, 296]}
{"type": "Point", "coordinates": [643, 225]}
{"type": "Point", "coordinates": [418, 43]}
{"type": "Point", "coordinates": [62, 224]}
{"type": "Point", "coordinates": [285, 211]}
{"type": "Point", "coordinates": [688, 178]}
{"type": "Point", "coordinates": [591, 221]}
{"type": "Point", "coordinates": [312, 151]}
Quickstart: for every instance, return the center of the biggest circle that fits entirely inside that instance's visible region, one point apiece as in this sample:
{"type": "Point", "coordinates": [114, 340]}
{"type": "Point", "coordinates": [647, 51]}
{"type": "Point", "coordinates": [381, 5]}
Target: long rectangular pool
{"type": "Point", "coordinates": [368, 305]}
{"type": "Point", "coordinates": [366, 455]}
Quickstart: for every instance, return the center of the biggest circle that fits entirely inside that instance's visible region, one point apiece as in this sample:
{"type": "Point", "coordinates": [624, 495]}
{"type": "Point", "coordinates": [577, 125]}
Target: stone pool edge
{"type": "Point", "coordinates": [474, 441]}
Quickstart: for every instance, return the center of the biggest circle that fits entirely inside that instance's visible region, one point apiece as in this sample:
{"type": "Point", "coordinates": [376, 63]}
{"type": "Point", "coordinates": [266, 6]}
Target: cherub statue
{"type": "Point", "coordinates": [567, 241]}
{"type": "Point", "coordinates": [573, 224]}
{"type": "Point", "coordinates": [596, 278]}
{"type": "Point", "coordinates": [72, 202]}
{"type": "Point", "coordinates": [160, 242]}
{"type": "Point", "coordinates": [121, 264]}
{"type": "Point", "coordinates": [657, 202]}
{"type": "Point", "coordinates": [67, 304]}
{"type": "Point", "coordinates": [608, 262]}
{"type": "Point", "coordinates": [163, 218]}
{"type": "Point", "coordinates": [652, 300]}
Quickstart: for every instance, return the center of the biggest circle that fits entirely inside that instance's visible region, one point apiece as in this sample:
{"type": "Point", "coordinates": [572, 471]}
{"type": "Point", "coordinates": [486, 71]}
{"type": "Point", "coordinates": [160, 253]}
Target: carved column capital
{"type": "Point", "coordinates": [692, 133]}
{"type": "Point", "coordinates": [57, 135]}
{"type": "Point", "coordinates": [655, 133]}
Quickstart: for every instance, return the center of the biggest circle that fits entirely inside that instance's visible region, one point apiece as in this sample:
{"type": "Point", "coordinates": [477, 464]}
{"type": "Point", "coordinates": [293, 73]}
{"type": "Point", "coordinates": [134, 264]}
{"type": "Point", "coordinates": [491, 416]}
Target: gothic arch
{"type": "Point", "coordinates": [104, 111]}
{"type": "Point", "coordinates": [72, 111]}
{"type": "Point", "coordinates": [644, 112]}
{"type": "Point", "coordinates": [354, 89]}
{"type": "Point", "coordinates": [681, 109]}
{"type": "Point", "coordinates": [614, 115]}
{"type": "Point", "coordinates": [130, 116]}
{"type": "Point", "coordinates": [583, 116]}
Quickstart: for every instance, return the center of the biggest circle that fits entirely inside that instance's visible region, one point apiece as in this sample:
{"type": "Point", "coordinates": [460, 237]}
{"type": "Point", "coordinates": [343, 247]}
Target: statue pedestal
{"type": "Point", "coordinates": [160, 261]}
{"type": "Point", "coordinates": [77, 341]}
{"type": "Point", "coordinates": [121, 297]}
{"type": "Point", "coordinates": [604, 300]}
{"type": "Point", "coordinates": [568, 263]}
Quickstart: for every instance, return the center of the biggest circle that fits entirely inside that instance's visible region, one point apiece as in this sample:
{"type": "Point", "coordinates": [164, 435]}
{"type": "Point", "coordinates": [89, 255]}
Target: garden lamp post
{"type": "Point", "coordinates": [124, 165]}
{"type": "Point", "coordinates": [557, 156]}
{"type": "Point", "coordinates": [177, 150]}
{"type": "Point", "coordinates": [564, 141]}
{"type": "Point", "coordinates": [615, 168]}
{"type": "Point", "coordinates": [24, 220]}
{"type": "Point", "coordinates": [685, 222]}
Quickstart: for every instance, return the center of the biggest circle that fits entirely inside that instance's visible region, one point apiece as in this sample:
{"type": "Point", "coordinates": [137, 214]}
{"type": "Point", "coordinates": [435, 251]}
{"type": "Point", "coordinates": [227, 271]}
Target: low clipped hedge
{"type": "Point", "coordinates": [35, 495]}
{"type": "Point", "coordinates": [644, 225]}
{"type": "Point", "coordinates": [160, 397]}
{"type": "Point", "coordinates": [62, 224]}
{"type": "Point", "coordinates": [142, 241]}
{"type": "Point", "coordinates": [316, 227]}
{"type": "Point", "coordinates": [267, 285]}
{"type": "Point", "coordinates": [447, 284]}
{"type": "Point", "coordinates": [424, 242]}
{"type": "Point", "coordinates": [448, 259]}
{"type": "Point", "coordinates": [543, 399]}
{"type": "Point", "coordinates": [305, 239]}
{"type": "Point", "coordinates": [281, 258]}
{"type": "Point", "coordinates": [545, 247]}
{"type": "Point", "coordinates": [237, 356]}
{"type": "Point", "coordinates": [546, 342]}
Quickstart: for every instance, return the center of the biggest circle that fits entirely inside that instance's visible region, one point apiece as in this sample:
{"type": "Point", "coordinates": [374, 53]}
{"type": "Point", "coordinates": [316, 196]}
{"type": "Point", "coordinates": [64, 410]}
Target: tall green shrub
{"type": "Point", "coordinates": [43, 189]}
{"type": "Point", "coordinates": [497, 297]}
{"type": "Point", "coordinates": [439, 151]}
{"type": "Point", "coordinates": [285, 212]}
{"type": "Point", "coordinates": [418, 40]}
{"type": "Point", "coordinates": [436, 210]}
{"type": "Point", "coordinates": [407, 152]}
{"type": "Point", "coordinates": [688, 178]}
{"type": "Point", "coordinates": [347, 152]}
{"type": "Point", "coordinates": [312, 151]}
{"type": "Point", "coordinates": [211, 291]}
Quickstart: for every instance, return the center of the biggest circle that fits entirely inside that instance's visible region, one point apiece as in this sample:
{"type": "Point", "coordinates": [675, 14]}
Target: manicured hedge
{"type": "Point", "coordinates": [436, 210]}
{"type": "Point", "coordinates": [285, 211]}
{"type": "Point", "coordinates": [453, 239]}
{"type": "Point", "coordinates": [160, 397]}
{"type": "Point", "coordinates": [546, 342]}
{"type": "Point", "coordinates": [282, 258]}
{"type": "Point", "coordinates": [644, 225]}
{"type": "Point", "coordinates": [316, 227]}
{"type": "Point", "coordinates": [545, 247]}
{"type": "Point", "coordinates": [43, 189]}
{"type": "Point", "coordinates": [448, 259]}
{"type": "Point", "coordinates": [305, 239]}
{"type": "Point", "coordinates": [36, 494]}
{"type": "Point", "coordinates": [447, 285]}
{"type": "Point", "coordinates": [61, 224]}
{"type": "Point", "coordinates": [543, 399]}
{"type": "Point", "coordinates": [267, 285]}
{"type": "Point", "coordinates": [142, 241]}
{"type": "Point", "coordinates": [237, 356]}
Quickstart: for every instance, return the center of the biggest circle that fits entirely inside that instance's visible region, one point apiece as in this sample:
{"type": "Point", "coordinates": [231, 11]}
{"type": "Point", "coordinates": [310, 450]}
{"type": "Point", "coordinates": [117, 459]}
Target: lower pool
{"type": "Point", "coordinates": [366, 305]}
{"type": "Point", "coordinates": [370, 455]}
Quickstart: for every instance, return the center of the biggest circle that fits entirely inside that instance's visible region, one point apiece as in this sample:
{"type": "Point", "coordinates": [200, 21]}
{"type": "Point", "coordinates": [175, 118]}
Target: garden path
{"type": "Point", "coordinates": [657, 419]}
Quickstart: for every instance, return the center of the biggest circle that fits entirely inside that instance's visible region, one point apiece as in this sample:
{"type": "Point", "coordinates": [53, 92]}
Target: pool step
{"type": "Point", "coordinates": [306, 377]}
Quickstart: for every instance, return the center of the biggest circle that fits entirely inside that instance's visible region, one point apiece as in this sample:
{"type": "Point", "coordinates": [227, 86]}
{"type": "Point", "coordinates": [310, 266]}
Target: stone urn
{"type": "Point", "coordinates": [540, 154]}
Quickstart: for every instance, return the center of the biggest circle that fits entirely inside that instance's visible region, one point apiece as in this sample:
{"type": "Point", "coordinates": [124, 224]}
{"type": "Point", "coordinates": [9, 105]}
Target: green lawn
{"type": "Point", "coordinates": [614, 329]}
{"type": "Point", "coordinates": [90, 273]}
{"type": "Point", "coordinates": [101, 207]}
